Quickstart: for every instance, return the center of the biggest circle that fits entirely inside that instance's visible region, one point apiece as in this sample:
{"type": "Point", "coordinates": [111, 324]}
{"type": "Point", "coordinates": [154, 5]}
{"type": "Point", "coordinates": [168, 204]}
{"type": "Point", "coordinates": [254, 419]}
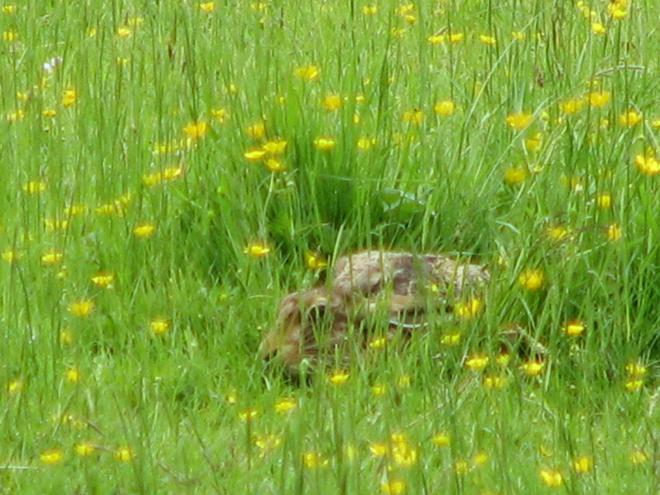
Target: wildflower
{"type": "Point", "coordinates": [638, 457]}
{"type": "Point", "coordinates": [268, 442]}
{"type": "Point", "coordinates": [84, 449]}
{"type": "Point", "coordinates": [314, 460]}
{"type": "Point", "coordinates": [572, 106]}
{"type": "Point", "coordinates": [11, 256]}
{"type": "Point", "coordinates": [636, 370]}
{"type": "Point", "coordinates": [275, 147]}
{"type": "Point", "coordinates": [441, 440]}
{"type": "Point", "coordinates": [285, 405]}
{"type": "Point", "coordinates": [307, 73]}
{"type": "Point", "coordinates": [445, 108]}
{"type": "Point", "coordinates": [66, 337]}
{"type": "Point", "coordinates": [599, 99]}
{"type": "Point", "coordinates": [503, 359]}
{"type": "Point", "coordinates": [403, 381]}
{"type": "Point", "coordinates": [379, 449]}
{"type": "Point", "coordinates": [451, 338]}
{"type": "Point", "coordinates": [630, 118]}
{"type": "Point", "coordinates": [15, 387]}
{"type": "Point", "coordinates": [82, 308]}
{"type": "Point", "coordinates": [331, 103]}
{"type": "Point", "coordinates": [338, 378]}
{"type": "Point", "coordinates": [52, 257]}
{"type": "Point", "coordinates": [393, 487]}
{"type": "Point", "coordinates": [514, 176]}
{"type": "Point", "coordinates": [255, 154]}
{"type": "Point", "coordinates": [220, 114]}
{"type": "Point", "coordinates": [274, 165]}
{"type": "Point", "coordinates": [257, 130]}
{"type": "Point", "coordinates": [557, 232]}
{"type": "Point", "coordinates": [124, 32]}
{"type": "Point", "coordinates": [196, 129]}
{"type": "Point", "coordinates": [614, 232]}
{"type": "Point", "coordinates": [598, 29]}
{"type": "Point", "coordinates": [469, 309]}
{"type": "Point", "coordinates": [9, 36]}
{"type": "Point", "coordinates": [315, 261]}
{"type": "Point", "coordinates": [52, 457]}
{"type": "Point", "coordinates": [519, 120]}
{"type": "Point", "coordinates": [532, 367]}
{"type": "Point", "coordinates": [365, 143]}
{"type": "Point", "coordinates": [461, 467]}
{"type": "Point", "coordinates": [532, 279]}
{"type": "Point", "coordinates": [633, 385]}
{"type": "Point", "coordinates": [648, 164]}
{"type": "Point", "coordinates": [124, 454]}
{"type": "Point", "coordinates": [518, 35]}
{"type": "Point", "coordinates": [159, 326]}
{"type": "Point", "coordinates": [9, 9]}
{"type": "Point", "coordinates": [456, 38]}
{"type": "Point", "coordinates": [534, 142]}
{"type": "Point", "coordinates": [103, 280]}
{"type": "Point", "coordinates": [574, 328]}
{"type": "Point", "coordinates": [414, 116]}
{"type": "Point", "coordinates": [54, 225]}
{"type": "Point", "coordinates": [551, 477]}
{"type": "Point", "coordinates": [257, 250]}
{"type": "Point", "coordinates": [604, 201]}
{"type": "Point", "coordinates": [248, 414]}
{"type": "Point", "coordinates": [487, 40]}
{"type": "Point", "coordinates": [144, 230]}
{"type": "Point", "coordinates": [72, 375]}
{"type": "Point", "coordinates": [324, 143]}
{"type": "Point", "coordinates": [494, 382]}
{"type": "Point", "coordinates": [480, 458]}
{"type": "Point", "coordinates": [207, 7]}
{"type": "Point", "coordinates": [436, 39]}
{"type": "Point", "coordinates": [477, 362]}
{"type": "Point", "coordinates": [34, 187]}
{"type": "Point", "coordinates": [69, 98]}
{"type": "Point", "coordinates": [378, 390]}
{"type": "Point", "coordinates": [583, 464]}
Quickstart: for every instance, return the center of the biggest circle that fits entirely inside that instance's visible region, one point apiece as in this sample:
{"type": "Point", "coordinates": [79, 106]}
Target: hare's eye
{"type": "Point", "coordinates": [316, 314]}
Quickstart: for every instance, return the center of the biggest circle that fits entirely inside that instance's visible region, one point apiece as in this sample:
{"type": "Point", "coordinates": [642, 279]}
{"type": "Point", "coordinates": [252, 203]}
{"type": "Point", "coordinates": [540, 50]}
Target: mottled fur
{"type": "Point", "coordinates": [398, 286]}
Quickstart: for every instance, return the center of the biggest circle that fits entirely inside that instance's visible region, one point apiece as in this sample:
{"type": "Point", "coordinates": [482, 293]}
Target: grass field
{"type": "Point", "coordinates": [170, 170]}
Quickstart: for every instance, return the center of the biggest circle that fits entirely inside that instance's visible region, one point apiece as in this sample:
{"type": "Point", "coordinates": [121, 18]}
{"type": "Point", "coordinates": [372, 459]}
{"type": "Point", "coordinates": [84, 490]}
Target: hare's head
{"type": "Point", "coordinates": [308, 323]}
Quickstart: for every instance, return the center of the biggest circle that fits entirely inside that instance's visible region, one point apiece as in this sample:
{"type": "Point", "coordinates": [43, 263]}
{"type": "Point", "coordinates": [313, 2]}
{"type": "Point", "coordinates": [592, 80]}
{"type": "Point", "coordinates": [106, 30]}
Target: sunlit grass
{"type": "Point", "coordinates": [172, 170]}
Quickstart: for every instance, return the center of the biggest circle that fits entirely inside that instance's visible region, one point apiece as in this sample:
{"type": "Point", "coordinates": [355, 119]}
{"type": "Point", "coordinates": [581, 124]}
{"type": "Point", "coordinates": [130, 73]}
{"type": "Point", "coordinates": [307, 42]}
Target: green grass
{"type": "Point", "coordinates": [166, 412]}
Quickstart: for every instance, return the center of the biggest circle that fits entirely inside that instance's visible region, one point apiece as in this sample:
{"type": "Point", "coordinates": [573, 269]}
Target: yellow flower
{"type": "Point", "coordinates": [52, 457]}
{"type": "Point", "coordinates": [66, 337]}
{"type": "Point", "coordinates": [220, 114]}
{"type": "Point", "coordinates": [574, 328]}
{"type": "Point", "coordinates": [257, 130]}
{"type": "Point", "coordinates": [630, 118]}
{"type": "Point", "coordinates": [532, 367]}
{"type": "Point", "coordinates": [103, 280]}
{"type": "Point", "coordinates": [487, 40]}
{"type": "Point", "coordinates": [519, 120]}
{"type": "Point", "coordinates": [15, 386]}
{"type": "Point", "coordinates": [34, 187]}
{"type": "Point", "coordinates": [84, 449]}
{"type": "Point", "coordinates": [480, 458]}
{"type": "Point", "coordinates": [82, 308]}
{"type": "Point", "coordinates": [124, 32]}
{"type": "Point", "coordinates": [159, 326]}
{"type": "Point", "coordinates": [572, 106]}
{"type": "Point", "coordinates": [124, 454]}
{"type": "Point", "coordinates": [248, 414]}
{"type": "Point", "coordinates": [257, 250]}
{"type": "Point", "coordinates": [315, 261]}
{"type": "Point", "coordinates": [503, 359]}
{"type": "Point", "coordinates": [436, 39]}
{"type": "Point", "coordinates": [365, 143]}
{"type": "Point", "coordinates": [308, 73]}
{"type": "Point", "coordinates": [196, 130]}
{"type": "Point", "coordinates": [583, 464]}
{"type": "Point", "coordinates": [638, 457]}
{"type": "Point", "coordinates": [469, 309]}
{"type": "Point", "coordinates": [414, 116]}
{"type": "Point", "coordinates": [338, 378]}
{"type": "Point", "coordinates": [274, 165]}
{"type": "Point", "coordinates": [441, 440]}
{"type": "Point", "coordinates": [634, 385]}
{"type": "Point", "coordinates": [451, 338]}
{"type": "Point", "coordinates": [648, 164]}
{"type": "Point", "coordinates": [604, 201]}
{"type": "Point", "coordinates": [518, 35]}
{"type": "Point", "coordinates": [370, 9]}
{"type": "Point", "coordinates": [534, 142]}
{"type": "Point", "coordinates": [207, 7]}
{"type": "Point", "coordinates": [614, 232]}
{"type": "Point", "coordinates": [324, 143]}
{"type": "Point", "coordinates": [275, 147]}
{"type": "Point", "coordinates": [403, 381]}
{"type": "Point", "coordinates": [331, 103]}
{"type": "Point", "coordinates": [9, 36]}
{"type": "Point", "coordinates": [445, 108]}
{"type": "Point", "coordinates": [255, 154]}
{"type": "Point", "coordinates": [599, 99]}
{"type": "Point", "coordinates": [461, 467]}
{"type": "Point", "coordinates": [551, 477]}
{"type": "Point", "coordinates": [69, 97]}
{"type": "Point", "coordinates": [379, 390]}
{"type": "Point", "coordinates": [598, 29]}
{"type": "Point", "coordinates": [9, 9]}
{"type": "Point", "coordinates": [52, 257]}
{"type": "Point", "coordinates": [636, 370]}
{"type": "Point", "coordinates": [456, 38]}
{"type": "Point", "coordinates": [494, 382]}
{"type": "Point", "coordinates": [285, 405]}
{"type": "Point", "coordinates": [11, 256]}
{"type": "Point", "coordinates": [15, 116]}
{"type": "Point", "coordinates": [557, 232]}
{"type": "Point", "coordinates": [514, 176]}
{"type": "Point", "coordinates": [532, 279]}
{"type": "Point", "coordinates": [379, 449]}
{"type": "Point", "coordinates": [72, 375]}
{"type": "Point", "coordinates": [393, 487]}
{"type": "Point", "coordinates": [477, 362]}
{"type": "Point", "coordinates": [144, 230]}
{"type": "Point", "coordinates": [314, 460]}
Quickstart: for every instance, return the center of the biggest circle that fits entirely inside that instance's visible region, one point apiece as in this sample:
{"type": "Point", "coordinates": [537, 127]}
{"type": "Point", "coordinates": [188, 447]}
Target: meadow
{"type": "Point", "coordinates": [171, 170]}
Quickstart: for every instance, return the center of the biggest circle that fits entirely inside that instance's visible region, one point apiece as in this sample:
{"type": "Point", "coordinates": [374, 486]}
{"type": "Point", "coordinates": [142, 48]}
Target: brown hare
{"type": "Point", "coordinates": [395, 288]}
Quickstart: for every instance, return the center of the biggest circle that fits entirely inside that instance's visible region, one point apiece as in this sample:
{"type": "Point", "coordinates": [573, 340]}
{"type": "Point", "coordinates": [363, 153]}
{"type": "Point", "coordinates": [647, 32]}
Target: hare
{"type": "Point", "coordinates": [396, 288]}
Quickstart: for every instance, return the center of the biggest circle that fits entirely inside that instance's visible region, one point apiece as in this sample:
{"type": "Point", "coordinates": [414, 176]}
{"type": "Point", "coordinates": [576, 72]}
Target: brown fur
{"type": "Point", "coordinates": [368, 284]}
